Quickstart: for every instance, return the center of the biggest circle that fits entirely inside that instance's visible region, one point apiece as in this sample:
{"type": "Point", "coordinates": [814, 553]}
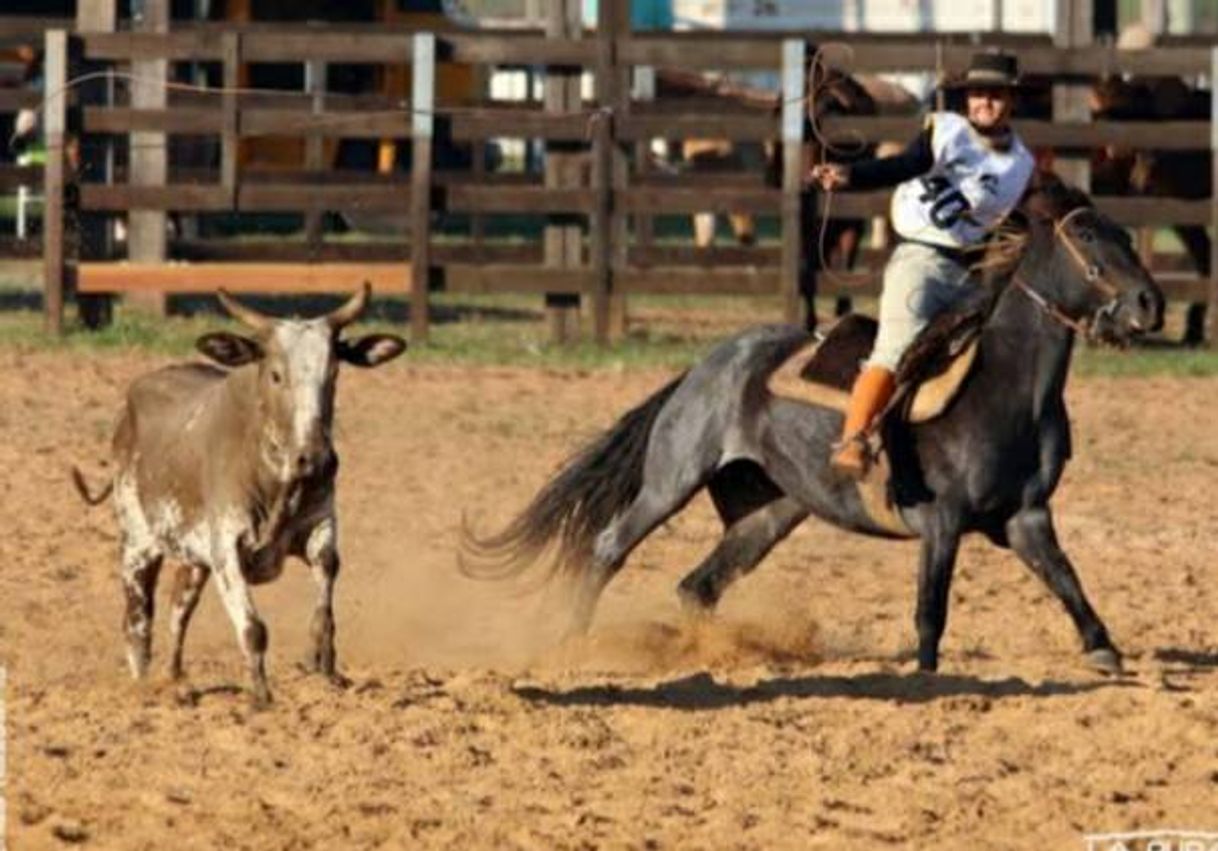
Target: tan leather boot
{"type": "Point", "coordinates": [871, 392]}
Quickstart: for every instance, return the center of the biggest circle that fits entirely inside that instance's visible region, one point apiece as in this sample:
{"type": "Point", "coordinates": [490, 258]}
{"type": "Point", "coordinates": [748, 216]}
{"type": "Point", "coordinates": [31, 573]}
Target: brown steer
{"type": "Point", "coordinates": [231, 470]}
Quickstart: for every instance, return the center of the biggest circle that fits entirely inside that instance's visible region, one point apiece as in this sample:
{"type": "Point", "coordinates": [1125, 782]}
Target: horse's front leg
{"type": "Point", "coordinates": [1035, 542]}
{"type": "Point", "coordinates": [940, 544]}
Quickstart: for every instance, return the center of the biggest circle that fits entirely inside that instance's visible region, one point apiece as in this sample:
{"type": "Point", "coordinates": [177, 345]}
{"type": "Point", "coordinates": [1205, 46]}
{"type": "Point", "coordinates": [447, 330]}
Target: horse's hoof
{"type": "Point", "coordinates": [695, 602]}
{"type": "Point", "coordinates": [1106, 660]}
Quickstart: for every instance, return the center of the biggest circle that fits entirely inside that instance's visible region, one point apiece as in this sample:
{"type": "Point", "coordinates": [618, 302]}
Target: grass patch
{"type": "Point", "coordinates": [1146, 361]}
{"type": "Point", "coordinates": [474, 338]}
{"type": "Point", "coordinates": [479, 334]}
{"type": "Point", "coordinates": [670, 332]}
{"type": "Point", "coordinates": [130, 330]}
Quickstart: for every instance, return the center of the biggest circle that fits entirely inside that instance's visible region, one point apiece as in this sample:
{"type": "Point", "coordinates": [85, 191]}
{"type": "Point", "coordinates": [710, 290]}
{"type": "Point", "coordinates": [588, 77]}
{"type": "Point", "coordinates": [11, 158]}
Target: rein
{"type": "Point", "coordinates": [1092, 274]}
{"type": "Point", "coordinates": [1079, 326]}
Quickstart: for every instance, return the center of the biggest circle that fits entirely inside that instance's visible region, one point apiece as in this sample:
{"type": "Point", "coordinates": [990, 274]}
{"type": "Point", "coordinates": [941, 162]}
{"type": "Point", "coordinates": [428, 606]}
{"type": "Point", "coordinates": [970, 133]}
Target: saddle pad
{"type": "Point", "coordinates": [822, 372]}
{"type": "Point", "coordinates": [875, 493]}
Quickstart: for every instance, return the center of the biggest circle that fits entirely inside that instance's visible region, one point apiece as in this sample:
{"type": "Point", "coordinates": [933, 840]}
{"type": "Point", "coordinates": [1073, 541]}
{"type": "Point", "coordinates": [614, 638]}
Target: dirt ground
{"type": "Point", "coordinates": [790, 721]}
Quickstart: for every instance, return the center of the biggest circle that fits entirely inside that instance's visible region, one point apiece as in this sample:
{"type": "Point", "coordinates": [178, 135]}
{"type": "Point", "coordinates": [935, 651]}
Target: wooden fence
{"type": "Point", "coordinates": [598, 192]}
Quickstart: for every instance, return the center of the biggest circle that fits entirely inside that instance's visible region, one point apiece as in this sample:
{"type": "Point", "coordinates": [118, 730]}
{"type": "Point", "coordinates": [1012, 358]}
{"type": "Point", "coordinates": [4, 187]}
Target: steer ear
{"type": "Point", "coordinates": [371, 349]}
{"type": "Point", "coordinates": [229, 349]}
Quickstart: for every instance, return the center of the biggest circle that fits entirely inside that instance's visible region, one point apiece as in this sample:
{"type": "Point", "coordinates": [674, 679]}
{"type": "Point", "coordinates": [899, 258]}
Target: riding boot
{"type": "Point", "coordinates": [871, 392]}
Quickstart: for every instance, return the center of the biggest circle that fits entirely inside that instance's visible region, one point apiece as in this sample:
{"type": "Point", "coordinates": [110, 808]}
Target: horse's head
{"type": "Point", "coordinates": [1084, 266]}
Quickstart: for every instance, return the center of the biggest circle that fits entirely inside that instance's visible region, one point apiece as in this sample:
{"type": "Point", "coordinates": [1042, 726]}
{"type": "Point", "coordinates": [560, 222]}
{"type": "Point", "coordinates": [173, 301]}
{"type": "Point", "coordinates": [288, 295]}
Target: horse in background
{"type": "Point", "coordinates": [832, 93]}
{"type": "Point", "coordinates": [1119, 170]}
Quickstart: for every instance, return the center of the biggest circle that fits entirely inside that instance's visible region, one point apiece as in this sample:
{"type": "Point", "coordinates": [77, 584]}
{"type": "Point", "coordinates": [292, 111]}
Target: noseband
{"type": "Point", "coordinates": [1092, 274]}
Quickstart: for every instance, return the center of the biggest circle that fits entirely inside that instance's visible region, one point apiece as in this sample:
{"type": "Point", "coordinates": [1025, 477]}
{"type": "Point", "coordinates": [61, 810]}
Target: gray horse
{"type": "Point", "coordinates": [989, 464]}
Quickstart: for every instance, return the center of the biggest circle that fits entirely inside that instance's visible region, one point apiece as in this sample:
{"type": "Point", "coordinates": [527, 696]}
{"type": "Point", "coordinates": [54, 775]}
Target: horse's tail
{"type": "Point", "coordinates": [578, 501]}
{"type": "Point", "coordinates": [82, 488]}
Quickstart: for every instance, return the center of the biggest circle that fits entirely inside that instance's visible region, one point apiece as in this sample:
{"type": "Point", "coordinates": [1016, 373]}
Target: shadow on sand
{"type": "Point", "coordinates": [701, 691]}
{"type": "Point", "coordinates": [1194, 660]}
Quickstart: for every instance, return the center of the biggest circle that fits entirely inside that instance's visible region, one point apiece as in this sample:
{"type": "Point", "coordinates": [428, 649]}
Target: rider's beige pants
{"type": "Point", "coordinates": [919, 284]}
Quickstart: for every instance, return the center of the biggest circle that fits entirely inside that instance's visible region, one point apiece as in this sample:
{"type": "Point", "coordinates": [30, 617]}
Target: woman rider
{"type": "Point", "coordinates": [954, 183]}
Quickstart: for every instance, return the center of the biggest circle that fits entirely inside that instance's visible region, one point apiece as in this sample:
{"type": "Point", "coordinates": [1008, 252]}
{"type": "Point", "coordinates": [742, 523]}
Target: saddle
{"type": "Point", "coordinates": [929, 377]}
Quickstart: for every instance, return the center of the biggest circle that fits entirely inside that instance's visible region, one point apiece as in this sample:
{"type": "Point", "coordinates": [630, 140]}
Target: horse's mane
{"type": "Point", "coordinates": [1048, 198]}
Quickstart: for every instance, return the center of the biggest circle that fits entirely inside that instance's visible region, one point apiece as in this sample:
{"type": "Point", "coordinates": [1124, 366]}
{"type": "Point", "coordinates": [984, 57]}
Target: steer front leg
{"type": "Point", "coordinates": [321, 553]}
{"type": "Point", "coordinates": [251, 631]}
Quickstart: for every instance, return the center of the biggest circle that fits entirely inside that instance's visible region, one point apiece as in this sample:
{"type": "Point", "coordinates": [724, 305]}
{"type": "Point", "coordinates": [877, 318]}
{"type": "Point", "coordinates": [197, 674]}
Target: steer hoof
{"type": "Point", "coordinates": [313, 665]}
{"type": "Point", "coordinates": [339, 681]}
{"type": "Point", "coordinates": [260, 698]}
{"type": "Point", "coordinates": [1106, 660]}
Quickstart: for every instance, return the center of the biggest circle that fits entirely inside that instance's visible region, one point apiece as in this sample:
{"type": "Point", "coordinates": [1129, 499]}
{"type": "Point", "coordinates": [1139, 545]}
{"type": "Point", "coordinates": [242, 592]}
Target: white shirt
{"type": "Point", "coordinates": [971, 187]}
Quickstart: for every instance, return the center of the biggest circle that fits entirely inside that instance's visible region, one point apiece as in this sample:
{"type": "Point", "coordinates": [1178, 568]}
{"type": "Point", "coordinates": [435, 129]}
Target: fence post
{"type": "Point", "coordinates": [315, 85]}
{"type": "Point", "coordinates": [643, 89]}
{"type": "Point", "coordinates": [619, 230]}
{"type": "Point", "coordinates": [601, 243]}
{"type": "Point", "coordinates": [95, 232]}
{"type": "Point", "coordinates": [54, 122]}
{"type": "Point", "coordinates": [422, 128]}
{"type": "Point", "coordinates": [1211, 314]}
{"type": "Point", "coordinates": [147, 238]}
{"type": "Point", "coordinates": [230, 152]}
{"type": "Point", "coordinates": [477, 221]}
{"type": "Point", "coordinates": [794, 82]}
{"type": "Point", "coordinates": [1074, 28]}
{"type": "Point", "coordinates": [563, 162]}
{"type": "Point", "coordinates": [609, 235]}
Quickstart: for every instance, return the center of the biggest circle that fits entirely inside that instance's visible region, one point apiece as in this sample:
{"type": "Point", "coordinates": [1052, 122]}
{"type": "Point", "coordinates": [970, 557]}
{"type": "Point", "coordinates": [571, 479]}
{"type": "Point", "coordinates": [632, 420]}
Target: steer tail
{"type": "Point", "coordinates": [82, 488]}
{"type": "Point", "coordinates": [571, 509]}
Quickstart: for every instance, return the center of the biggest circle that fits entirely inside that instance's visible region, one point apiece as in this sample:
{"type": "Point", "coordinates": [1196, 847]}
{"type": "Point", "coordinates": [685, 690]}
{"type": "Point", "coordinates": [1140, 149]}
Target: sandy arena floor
{"type": "Point", "coordinates": [792, 721]}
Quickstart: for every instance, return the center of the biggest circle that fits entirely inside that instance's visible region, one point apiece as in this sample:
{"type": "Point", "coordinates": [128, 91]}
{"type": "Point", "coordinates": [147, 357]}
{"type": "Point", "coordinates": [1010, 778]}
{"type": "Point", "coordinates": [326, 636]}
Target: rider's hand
{"type": "Point", "coordinates": [830, 176]}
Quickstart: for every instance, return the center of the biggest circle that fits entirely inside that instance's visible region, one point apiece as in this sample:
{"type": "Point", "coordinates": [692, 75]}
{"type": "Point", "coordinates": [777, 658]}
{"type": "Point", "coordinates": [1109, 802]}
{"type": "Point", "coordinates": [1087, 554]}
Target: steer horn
{"type": "Point", "coordinates": [351, 309]}
{"type": "Point", "coordinates": [244, 315]}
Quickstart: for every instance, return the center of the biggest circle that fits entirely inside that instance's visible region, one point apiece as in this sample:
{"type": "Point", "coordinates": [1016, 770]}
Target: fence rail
{"type": "Point", "coordinates": [599, 179]}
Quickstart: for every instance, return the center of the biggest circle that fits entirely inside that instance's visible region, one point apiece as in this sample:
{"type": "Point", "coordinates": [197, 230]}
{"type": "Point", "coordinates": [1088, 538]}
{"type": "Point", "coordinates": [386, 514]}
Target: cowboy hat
{"type": "Point", "coordinates": [988, 71]}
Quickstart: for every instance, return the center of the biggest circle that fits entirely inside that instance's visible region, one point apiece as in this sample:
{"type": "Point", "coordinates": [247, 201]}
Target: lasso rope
{"type": "Point", "coordinates": [826, 145]}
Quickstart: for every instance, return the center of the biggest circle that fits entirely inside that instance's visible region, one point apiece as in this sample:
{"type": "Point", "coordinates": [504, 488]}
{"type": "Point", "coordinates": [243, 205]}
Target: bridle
{"type": "Point", "coordinates": [1092, 274]}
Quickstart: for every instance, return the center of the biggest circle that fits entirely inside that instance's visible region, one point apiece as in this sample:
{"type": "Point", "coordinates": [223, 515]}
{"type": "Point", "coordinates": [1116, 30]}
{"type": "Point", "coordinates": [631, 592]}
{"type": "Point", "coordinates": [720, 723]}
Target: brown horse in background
{"type": "Point", "coordinates": [1117, 170]}
{"type": "Point", "coordinates": [835, 244]}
